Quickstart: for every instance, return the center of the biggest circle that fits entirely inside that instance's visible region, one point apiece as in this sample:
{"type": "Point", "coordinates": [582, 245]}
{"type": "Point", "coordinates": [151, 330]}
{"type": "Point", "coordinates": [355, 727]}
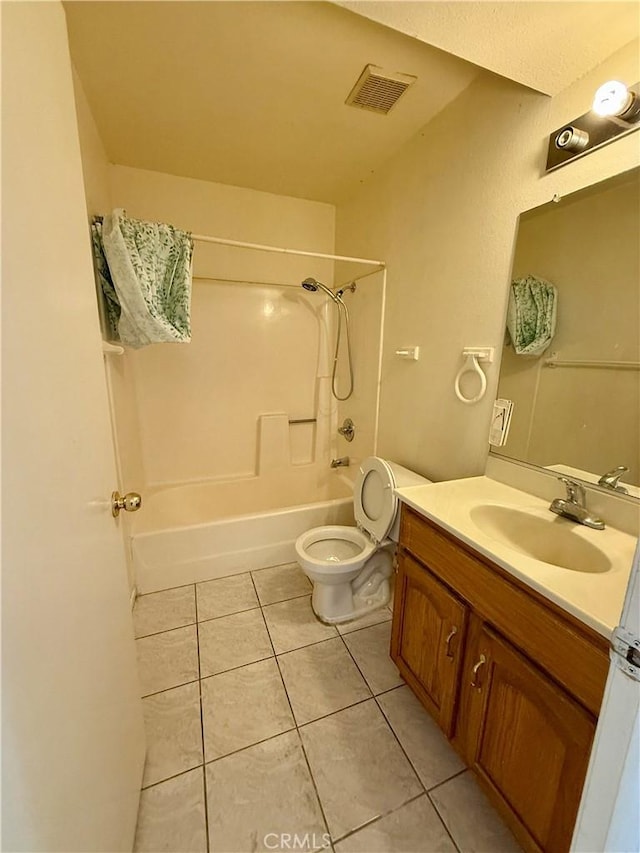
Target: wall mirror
{"type": "Point", "coordinates": [576, 407]}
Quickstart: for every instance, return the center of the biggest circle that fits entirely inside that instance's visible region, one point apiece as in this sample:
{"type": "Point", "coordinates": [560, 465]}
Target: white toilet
{"type": "Point", "coordinates": [351, 566]}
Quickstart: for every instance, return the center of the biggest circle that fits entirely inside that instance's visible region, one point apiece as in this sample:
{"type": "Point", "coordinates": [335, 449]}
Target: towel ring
{"type": "Point", "coordinates": [472, 367]}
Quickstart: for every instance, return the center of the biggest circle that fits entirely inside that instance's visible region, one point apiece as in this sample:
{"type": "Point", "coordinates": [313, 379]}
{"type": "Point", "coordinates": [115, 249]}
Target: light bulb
{"type": "Point", "coordinates": [612, 99]}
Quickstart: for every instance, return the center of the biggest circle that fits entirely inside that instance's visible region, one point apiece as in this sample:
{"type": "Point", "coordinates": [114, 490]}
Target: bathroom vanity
{"type": "Point", "coordinates": [509, 653]}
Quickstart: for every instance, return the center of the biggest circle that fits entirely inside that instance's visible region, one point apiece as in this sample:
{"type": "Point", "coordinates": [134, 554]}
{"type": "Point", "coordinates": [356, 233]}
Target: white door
{"type": "Point", "coordinates": [72, 733]}
{"type": "Point", "coordinates": [609, 816]}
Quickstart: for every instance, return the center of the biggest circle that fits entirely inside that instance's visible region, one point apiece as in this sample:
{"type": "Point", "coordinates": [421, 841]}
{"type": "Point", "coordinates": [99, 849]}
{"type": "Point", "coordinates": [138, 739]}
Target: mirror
{"type": "Point", "coordinates": [576, 406]}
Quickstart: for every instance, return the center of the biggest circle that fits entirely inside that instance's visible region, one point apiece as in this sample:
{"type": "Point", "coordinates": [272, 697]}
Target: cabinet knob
{"type": "Point", "coordinates": [476, 669]}
{"type": "Point", "coordinates": [447, 642]}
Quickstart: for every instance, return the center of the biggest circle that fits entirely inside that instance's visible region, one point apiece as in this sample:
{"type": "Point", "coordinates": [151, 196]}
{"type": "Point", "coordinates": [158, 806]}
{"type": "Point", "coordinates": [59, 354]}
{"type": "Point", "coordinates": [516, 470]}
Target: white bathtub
{"type": "Point", "coordinates": [191, 533]}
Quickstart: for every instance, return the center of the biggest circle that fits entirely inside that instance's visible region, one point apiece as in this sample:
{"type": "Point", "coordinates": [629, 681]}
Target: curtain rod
{"type": "Point", "coordinates": [606, 365]}
{"type": "Point", "coordinates": [263, 248]}
{"type": "Point", "coordinates": [254, 281]}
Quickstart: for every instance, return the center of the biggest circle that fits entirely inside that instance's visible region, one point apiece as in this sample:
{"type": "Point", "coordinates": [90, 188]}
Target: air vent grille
{"type": "Point", "coordinates": [379, 90]}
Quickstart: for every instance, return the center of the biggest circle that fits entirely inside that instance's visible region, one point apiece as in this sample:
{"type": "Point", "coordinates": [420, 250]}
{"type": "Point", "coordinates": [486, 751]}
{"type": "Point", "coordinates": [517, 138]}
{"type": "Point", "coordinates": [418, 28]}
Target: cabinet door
{"type": "Point", "coordinates": [428, 639]}
{"type": "Point", "coordinates": [528, 741]}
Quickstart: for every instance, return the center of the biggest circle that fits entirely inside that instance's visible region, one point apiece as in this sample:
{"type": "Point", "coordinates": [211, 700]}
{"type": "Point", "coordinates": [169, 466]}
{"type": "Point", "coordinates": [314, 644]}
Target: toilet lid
{"type": "Point", "coordinates": [374, 503]}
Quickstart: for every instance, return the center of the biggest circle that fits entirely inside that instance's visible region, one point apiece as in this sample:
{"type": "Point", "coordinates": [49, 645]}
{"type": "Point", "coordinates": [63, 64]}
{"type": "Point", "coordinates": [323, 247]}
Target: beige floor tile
{"type": "Point", "coordinates": [242, 707]}
{"type": "Point", "coordinates": [280, 583]}
{"type": "Point", "coordinates": [370, 648]}
{"type": "Point", "coordinates": [359, 769]}
{"type": "Point", "coordinates": [431, 754]}
{"type": "Point", "coordinates": [168, 659]}
{"type": "Point", "coordinates": [471, 819]}
{"type": "Point", "coordinates": [171, 817]}
{"type": "Point", "coordinates": [161, 611]}
{"type": "Point", "coordinates": [292, 624]}
{"type": "Point", "coordinates": [174, 732]}
{"type": "Point", "coordinates": [413, 828]}
{"type": "Point", "coordinates": [224, 596]}
{"type": "Point", "coordinates": [258, 793]}
{"type": "Point", "coordinates": [382, 614]}
{"type": "Point", "coordinates": [321, 679]}
{"type": "Point", "coordinates": [233, 641]}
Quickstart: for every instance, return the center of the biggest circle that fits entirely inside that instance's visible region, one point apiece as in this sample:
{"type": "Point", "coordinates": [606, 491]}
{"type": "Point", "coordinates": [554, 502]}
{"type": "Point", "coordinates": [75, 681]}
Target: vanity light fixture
{"type": "Point", "coordinates": [615, 112]}
{"type": "Point", "coordinates": [613, 98]}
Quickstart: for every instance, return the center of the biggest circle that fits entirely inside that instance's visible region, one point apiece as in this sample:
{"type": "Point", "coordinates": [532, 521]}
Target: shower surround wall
{"type": "Point", "coordinates": [216, 410]}
{"type": "Point", "coordinates": [256, 349]}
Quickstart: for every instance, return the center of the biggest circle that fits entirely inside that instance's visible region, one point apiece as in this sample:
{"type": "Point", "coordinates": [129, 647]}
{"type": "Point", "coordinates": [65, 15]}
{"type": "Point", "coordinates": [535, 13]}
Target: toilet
{"type": "Point", "coordinates": [351, 567]}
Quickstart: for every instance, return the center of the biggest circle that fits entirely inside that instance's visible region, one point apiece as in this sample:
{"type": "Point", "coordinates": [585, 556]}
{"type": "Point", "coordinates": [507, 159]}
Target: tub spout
{"type": "Point", "coordinates": [341, 462]}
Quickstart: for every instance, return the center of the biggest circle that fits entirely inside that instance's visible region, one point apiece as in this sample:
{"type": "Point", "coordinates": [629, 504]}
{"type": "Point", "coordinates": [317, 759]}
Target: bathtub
{"type": "Point", "coordinates": [190, 533]}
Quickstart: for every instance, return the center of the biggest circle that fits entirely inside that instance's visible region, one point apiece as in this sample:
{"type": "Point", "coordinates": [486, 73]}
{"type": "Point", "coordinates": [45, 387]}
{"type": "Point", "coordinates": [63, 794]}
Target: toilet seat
{"type": "Point", "coordinates": [374, 503]}
{"type": "Point", "coordinates": [330, 556]}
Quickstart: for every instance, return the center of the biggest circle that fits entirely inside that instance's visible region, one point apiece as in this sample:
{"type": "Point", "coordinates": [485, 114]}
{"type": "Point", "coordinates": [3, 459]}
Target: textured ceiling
{"type": "Point", "coordinates": [251, 93]}
{"type": "Point", "coordinates": [543, 45]}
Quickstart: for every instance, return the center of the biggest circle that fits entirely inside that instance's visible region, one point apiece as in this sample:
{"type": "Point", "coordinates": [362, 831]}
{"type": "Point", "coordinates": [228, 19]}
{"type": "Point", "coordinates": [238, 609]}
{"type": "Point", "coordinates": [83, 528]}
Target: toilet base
{"type": "Point", "coordinates": [342, 602]}
{"type": "Point", "coordinates": [360, 607]}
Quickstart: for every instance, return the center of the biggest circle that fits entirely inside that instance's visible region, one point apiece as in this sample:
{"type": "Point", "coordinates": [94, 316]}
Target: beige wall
{"type": "Point", "coordinates": [589, 419]}
{"type": "Point", "coordinates": [442, 213]}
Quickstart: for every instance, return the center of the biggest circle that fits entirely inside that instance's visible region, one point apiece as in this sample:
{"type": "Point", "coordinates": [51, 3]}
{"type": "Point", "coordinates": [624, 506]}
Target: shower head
{"type": "Point", "coordinates": [314, 285]}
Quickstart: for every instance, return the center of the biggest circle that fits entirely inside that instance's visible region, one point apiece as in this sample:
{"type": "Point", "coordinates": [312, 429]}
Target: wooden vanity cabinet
{"type": "Point", "coordinates": [527, 740]}
{"type": "Point", "coordinates": [514, 682]}
{"type": "Point", "coordinates": [429, 646]}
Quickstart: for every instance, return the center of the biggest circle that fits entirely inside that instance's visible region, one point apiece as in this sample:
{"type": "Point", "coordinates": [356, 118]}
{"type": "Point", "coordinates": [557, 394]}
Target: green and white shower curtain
{"type": "Point", "coordinates": [144, 271]}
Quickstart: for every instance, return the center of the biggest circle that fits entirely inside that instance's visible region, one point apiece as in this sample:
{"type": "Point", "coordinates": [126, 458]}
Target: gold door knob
{"type": "Point", "coordinates": [131, 502]}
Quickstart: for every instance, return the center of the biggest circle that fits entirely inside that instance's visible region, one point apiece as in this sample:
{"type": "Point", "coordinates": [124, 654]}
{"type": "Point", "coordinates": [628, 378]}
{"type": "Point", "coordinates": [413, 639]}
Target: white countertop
{"type": "Point", "coordinates": [594, 598]}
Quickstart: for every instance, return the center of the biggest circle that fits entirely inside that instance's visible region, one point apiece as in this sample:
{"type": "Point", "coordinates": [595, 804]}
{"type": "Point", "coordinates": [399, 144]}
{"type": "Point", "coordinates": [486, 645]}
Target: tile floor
{"type": "Point", "coordinates": [267, 730]}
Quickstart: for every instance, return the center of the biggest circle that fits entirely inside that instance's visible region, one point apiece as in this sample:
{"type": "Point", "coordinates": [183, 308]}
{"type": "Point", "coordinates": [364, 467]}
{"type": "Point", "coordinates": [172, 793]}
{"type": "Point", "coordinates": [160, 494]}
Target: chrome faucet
{"type": "Point", "coordinates": [610, 479]}
{"type": "Point", "coordinates": [574, 505]}
{"type": "Point", "coordinates": [341, 462]}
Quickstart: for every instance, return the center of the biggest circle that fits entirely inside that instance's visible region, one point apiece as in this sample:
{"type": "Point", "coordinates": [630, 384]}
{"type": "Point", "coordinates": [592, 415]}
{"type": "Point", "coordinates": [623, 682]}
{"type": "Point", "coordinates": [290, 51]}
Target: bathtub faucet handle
{"type": "Point", "coordinates": [131, 502]}
{"type": "Point", "coordinates": [347, 430]}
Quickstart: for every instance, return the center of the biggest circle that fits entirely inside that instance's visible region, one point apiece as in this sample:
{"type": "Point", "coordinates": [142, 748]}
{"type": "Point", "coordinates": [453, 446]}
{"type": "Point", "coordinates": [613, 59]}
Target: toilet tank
{"type": "Point", "coordinates": [403, 477]}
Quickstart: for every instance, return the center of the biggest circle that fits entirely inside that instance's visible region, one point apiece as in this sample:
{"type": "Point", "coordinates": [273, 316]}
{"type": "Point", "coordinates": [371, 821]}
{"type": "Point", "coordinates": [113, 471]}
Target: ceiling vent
{"type": "Point", "coordinates": [379, 90]}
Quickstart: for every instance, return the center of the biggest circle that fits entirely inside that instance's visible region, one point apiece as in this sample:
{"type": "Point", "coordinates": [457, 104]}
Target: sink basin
{"type": "Point", "coordinates": [549, 539]}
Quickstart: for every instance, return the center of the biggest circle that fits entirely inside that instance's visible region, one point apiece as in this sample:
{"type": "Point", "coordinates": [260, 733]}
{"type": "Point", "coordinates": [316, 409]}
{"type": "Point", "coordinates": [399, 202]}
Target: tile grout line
{"type": "Point", "coordinates": [442, 821]}
{"type": "Point", "coordinates": [295, 722]}
{"type": "Point", "coordinates": [173, 776]}
{"type": "Point", "coordinates": [204, 771]}
{"type": "Point", "coordinates": [390, 727]}
{"type": "Point", "coordinates": [377, 818]}
{"type": "Point", "coordinates": [166, 631]}
{"type": "Point", "coordinates": [397, 739]}
{"type": "Point", "coordinates": [249, 746]}
{"type": "Point", "coordinates": [362, 628]}
{"type": "Point", "coordinates": [448, 779]}
{"type": "Point", "coordinates": [167, 689]}
{"type": "Point", "coordinates": [210, 580]}
{"type": "Point", "coordinates": [413, 767]}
